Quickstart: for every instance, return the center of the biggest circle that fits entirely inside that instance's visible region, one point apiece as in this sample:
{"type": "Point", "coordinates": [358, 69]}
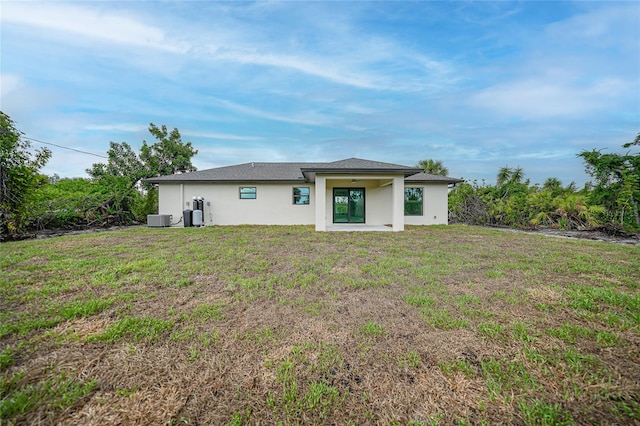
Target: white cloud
{"type": "Point", "coordinates": [22, 99]}
{"type": "Point", "coordinates": [544, 98]}
{"type": "Point", "coordinates": [10, 83]}
{"type": "Point", "coordinates": [82, 21]}
{"type": "Point", "coordinates": [310, 118]}
{"type": "Point", "coordinates": [120, 127]}
{"type": "Point", "coordinates": [580, 66]}
{"type": "Point", "coordinates": [613, 25]}
{"type": "Point", "coordinates": [544, 155]}
{"type": "Point", "coordinates": [223, 136]}
{"type": "Point", "coordinates": [216, 156]}
{"type": "Point", "coordinates": [306, 65]}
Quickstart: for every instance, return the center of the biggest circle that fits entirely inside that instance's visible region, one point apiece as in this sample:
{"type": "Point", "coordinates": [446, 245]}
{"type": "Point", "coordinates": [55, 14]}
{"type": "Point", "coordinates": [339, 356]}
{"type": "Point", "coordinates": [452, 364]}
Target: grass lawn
{"type": "Point", "coordinates": [267, 325]}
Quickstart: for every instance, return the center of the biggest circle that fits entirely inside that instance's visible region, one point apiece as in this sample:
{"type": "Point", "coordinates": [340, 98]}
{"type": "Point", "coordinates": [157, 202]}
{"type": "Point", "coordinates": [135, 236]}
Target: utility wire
{"type": "Point", "coordinates": [65, 147]}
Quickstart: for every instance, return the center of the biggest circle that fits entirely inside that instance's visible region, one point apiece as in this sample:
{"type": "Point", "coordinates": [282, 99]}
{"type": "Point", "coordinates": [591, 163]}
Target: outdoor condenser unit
{"type": "Point", "coordinates": [159, 220]}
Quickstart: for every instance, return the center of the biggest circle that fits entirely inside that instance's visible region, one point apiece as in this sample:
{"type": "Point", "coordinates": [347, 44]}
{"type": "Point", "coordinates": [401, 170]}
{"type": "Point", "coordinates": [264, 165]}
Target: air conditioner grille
{"type": "Point", "coordinates": [159, 220]}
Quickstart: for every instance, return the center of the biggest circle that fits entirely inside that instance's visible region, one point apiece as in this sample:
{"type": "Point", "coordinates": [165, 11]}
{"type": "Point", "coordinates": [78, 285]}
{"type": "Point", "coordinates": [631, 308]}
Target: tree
{"type": "Point", "coordinates": [123, 163]}
{"type": "Point", "coordinates": [19, 175]}
{"type": "Point", "coordinates": [167, 156]}
{"type": "Point", "coordinates": [508, 175]}
{"type": "Point", "coordinates": [125, 170]}
{"type": "Point", "coordinates": [617, 183]}
{"type": "Point", "coordinates": [433, 167]}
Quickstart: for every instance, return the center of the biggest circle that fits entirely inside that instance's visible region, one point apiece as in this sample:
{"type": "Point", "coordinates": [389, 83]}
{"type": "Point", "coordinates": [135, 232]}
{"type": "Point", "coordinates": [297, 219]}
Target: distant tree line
{"type": "Point", "coordinates": [610, 200]}
{"type": "Point", "coordinates": [112, 195]}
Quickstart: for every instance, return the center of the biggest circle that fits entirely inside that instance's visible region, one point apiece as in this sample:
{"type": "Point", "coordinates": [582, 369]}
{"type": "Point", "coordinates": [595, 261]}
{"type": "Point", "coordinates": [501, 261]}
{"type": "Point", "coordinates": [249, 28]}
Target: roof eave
{"type": "Point", "coordinates": [159, 181]}
{"type": "Point", "coordinates": [310, 173]}
{"type": "Point", "coordinates": [452, 180]}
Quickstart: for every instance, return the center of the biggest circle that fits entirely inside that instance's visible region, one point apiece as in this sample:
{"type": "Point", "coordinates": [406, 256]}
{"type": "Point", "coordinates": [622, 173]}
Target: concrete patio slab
{"type": "Point", "coordinates": [352, 227]}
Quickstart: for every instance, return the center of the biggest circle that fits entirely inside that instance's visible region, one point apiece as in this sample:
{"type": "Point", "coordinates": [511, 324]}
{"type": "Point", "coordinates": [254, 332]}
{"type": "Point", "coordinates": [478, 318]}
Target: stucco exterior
{"type": "Point", "coordinates": [273, 204]}
{"type": "Point", "coordinates": [435, 210]}
{"type": "Point", "coordinates": [355, 191]}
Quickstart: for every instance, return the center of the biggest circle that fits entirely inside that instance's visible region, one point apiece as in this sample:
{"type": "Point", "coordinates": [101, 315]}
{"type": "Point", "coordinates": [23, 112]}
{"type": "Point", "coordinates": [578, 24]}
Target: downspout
{"type": "Point", "coordinates": [182, 198]}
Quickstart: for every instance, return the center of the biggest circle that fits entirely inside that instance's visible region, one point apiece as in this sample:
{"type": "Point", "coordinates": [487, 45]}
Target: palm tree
{"type": "Point", "coordinates": [433, 167]}
{"type": "Point", "coordinates": [508, 175]}
{"type": "Point", "coordinates": [552, 184]}
{"type": "Point", "coordinates": [504, 176]}
{"type": "Point", "coordinates": [517, 175]}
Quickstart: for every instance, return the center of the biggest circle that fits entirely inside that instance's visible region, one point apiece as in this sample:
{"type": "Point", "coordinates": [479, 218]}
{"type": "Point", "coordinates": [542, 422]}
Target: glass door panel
{"type": "Point", "coordinates": [340, 205]}
{"type": "Point", "coordinates": [348, 205]}
{"type": "Point", "coordinates": [356, 205]}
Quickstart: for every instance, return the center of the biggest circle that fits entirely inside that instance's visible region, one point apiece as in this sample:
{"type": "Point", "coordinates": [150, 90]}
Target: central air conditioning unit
{"type": "Point", "coordinates": [159, 220]}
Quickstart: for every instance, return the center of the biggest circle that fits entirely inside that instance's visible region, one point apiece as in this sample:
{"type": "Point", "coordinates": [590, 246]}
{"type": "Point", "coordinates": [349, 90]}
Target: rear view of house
{"type": "Point", "coordinates": [353, 192]}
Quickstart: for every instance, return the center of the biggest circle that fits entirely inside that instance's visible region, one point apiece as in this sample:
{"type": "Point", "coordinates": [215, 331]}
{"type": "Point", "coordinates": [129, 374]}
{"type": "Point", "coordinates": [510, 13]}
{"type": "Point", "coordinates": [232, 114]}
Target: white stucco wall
{"type": "Point", "coordinates": [273, 204]}
{"type": "Point", "coordinates": [435, 207]}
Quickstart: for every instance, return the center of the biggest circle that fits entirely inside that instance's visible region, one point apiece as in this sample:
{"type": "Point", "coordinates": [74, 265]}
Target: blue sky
{"type": "Point", "coordinates": [477, 85]}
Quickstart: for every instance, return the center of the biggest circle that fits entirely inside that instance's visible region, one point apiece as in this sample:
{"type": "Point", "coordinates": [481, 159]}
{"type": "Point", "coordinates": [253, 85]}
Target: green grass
{"type": "Point", "coordinates": [458, 366]}
{"type": "Point", "coordinates": [506, 378]}
{"type": "Point", "coordinates": [570, 333]}
{"type": "Point", "coordinates": [283, 325]}
{"type": "Point", "coordinates": [411, 359]}
{"type": "Point", "coordinates": [133, 328]}
{"type": "Point", "coordinates": [6, 358]}
{"type": "Point", "coordinates": [81, 309]}
{"type": "Point", "coordinates": [206, 312]}
{"type": "Point", "coordinates": [443, 319]}
{"type": "Point", "coordinates": [55, 393]}
{"type": "Point", "coordinates": [372, 329]}
{"type": "Point", "coordinates": [541, 413]}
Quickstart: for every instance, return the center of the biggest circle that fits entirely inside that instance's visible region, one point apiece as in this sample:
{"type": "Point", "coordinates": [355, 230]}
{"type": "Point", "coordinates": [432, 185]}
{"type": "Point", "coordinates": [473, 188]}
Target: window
{"type": "Point", "coordinates": [413, 201]}
{"type": "Point", "coordinates": [248, 192]}
{"type": "Point", "coordinates": [301, 195]}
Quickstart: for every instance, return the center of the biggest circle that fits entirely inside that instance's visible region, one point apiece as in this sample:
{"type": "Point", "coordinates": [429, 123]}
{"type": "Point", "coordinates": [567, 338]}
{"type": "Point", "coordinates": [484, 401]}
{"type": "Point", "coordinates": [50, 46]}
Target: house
{"type": "Point", "coordinates": [353, 192]}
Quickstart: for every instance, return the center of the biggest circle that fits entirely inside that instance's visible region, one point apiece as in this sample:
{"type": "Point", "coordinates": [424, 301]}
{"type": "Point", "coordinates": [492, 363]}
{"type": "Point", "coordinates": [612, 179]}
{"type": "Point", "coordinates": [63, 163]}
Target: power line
{"type": "Point", "coordinates": [65, 147]}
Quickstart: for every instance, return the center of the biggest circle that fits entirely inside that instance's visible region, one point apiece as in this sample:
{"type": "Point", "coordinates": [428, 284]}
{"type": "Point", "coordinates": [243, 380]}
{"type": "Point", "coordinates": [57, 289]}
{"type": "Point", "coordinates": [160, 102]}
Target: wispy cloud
{"type": "Point", "coordinates": [567, 69]}
{"type": "Point", "coordinates": [10, 83]}
{"type": "Point", "coordinates": [93, 22]}
{"type": "Point", "coordinates": [544, 98]}
{"type": "Point", "coordinates": [222, 136]}
{"type": "Point", "coordinates": [118, 127]}
{"type": "Point", "coordinates": [616, 25]}
{"type": "Point", "coordinates": [304, 65]}
{"type": "Point", "coordinates": [311, 118]}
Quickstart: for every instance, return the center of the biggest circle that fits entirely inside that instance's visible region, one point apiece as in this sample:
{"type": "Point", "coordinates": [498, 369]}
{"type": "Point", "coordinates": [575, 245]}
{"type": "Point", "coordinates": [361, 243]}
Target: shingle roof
{"type": "Point", "coordinates": [295, 172]}
{"type": "Point", "coordinates": [359, 163]}
{"type": "Point", "coordinates": [247, 172]}
{"type": "Point", "coordinates": [426, 178]}
{"type": "Point", "coordinates": [358, 166]}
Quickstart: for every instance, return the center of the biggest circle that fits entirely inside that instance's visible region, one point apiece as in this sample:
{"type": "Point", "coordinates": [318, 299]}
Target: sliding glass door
{"type": "Point", "coordinates": [348, 205]}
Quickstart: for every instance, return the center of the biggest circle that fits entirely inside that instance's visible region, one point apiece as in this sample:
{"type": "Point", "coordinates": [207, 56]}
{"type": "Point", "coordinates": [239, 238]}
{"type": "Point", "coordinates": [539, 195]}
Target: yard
{"type": "Point", "coordinates": [266, 325]}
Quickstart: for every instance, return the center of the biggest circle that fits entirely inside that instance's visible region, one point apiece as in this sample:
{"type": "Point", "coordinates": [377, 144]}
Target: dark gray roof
{"type": "Point", "coordinates": [359, 163]}
{"type": "Point", "coordinates": [247, 172]}
{"type": "Point", "coordinates": [427, 178]}
{"type": "Point", "coordinates": [357, 166]}
{"type": "Point", "coordinates": [294, 172]}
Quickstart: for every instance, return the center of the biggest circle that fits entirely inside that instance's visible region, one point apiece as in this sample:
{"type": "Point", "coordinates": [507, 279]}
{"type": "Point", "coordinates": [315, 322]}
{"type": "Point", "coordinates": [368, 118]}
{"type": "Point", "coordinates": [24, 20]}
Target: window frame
{"type": "Point", "coordinates": [299, 196]}
{"type": "Point", "coordinates": [243, 195]}
{"type": "Point", "coordinates": [414, 202]}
